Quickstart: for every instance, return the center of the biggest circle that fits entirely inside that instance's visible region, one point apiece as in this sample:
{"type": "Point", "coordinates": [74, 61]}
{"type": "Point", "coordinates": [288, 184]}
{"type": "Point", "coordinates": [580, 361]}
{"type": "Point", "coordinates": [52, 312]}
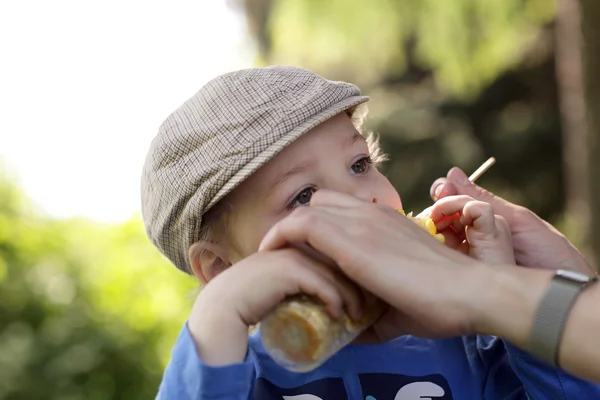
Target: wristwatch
{"type": "Point", "coordinates": [553, 311]}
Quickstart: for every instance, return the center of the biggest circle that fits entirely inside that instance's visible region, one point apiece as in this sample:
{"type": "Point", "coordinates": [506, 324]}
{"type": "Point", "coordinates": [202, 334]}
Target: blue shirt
{"type": "Point", "coordinates": [407, 368]}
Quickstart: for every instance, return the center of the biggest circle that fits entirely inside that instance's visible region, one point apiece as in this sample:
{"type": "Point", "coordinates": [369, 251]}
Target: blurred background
{"type": "Point", "coordinates": [89, 309]}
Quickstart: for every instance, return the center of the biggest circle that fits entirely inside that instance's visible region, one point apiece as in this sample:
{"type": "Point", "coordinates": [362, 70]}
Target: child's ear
{"type": "Point", "coordinates": [207, 260]}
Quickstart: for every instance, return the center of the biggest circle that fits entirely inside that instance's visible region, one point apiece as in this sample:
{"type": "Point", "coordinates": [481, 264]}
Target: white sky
{"type": "Point", "coordinates": [85, 85]}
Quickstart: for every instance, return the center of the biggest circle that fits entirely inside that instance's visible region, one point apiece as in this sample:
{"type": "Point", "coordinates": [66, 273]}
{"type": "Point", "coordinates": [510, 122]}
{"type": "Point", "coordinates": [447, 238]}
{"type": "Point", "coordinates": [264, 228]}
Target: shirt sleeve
{"type": "Point", "coordinates": [543, 381]}
{"type": "Point", "coordinates": [512, 373]}
{"type": "Point", "coordinates": [188, 378]}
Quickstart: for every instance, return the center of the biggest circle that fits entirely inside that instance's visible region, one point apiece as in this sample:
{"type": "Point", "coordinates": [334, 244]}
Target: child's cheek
{"type": "Point", "coordinates": [245, 236]}
{"type": "Point", "coordinates": [256, 233]}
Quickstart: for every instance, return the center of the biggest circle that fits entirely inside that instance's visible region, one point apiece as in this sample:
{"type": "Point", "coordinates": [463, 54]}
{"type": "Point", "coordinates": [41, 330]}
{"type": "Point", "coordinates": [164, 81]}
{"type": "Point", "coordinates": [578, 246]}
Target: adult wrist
{"type": "Point", "coordinates": [508, 301]}
{"type": "Point", "coordinates": [578, 262]}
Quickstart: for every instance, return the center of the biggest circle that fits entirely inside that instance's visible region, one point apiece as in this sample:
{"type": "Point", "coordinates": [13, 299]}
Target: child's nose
{"type": "Point", "coordinates": [365, 195]}
{"type": "Point", "coordinates": [356, 189]}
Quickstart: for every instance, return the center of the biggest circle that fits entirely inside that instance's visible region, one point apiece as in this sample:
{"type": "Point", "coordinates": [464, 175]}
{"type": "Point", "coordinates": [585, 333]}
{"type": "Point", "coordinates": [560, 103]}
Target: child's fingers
{"type": "Point", "coordinates": [453, 222]}
{"type": "Point", "coordinates": [424, 213]}
{"type": "Point", "coordinates": [301, 275]}
{"type": "Point", "coordinates": [351, 295]}
{"type": "Point", "coordinates": [452, 238]}
{"type": "Point", "coordinates": [319, 286]}
{"type": "Point", "coordinates": [480, 215]}
{"type": "Point", "coordinates": [288, 272]}
{"type": "Point", "coordinates": [464, 247]}
{"type": "Point", "coordinates": [448, 206]}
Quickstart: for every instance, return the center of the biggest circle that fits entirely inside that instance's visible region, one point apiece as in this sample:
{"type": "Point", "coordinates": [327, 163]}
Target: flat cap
{"type": "Point", "coordinates": [231, 127]}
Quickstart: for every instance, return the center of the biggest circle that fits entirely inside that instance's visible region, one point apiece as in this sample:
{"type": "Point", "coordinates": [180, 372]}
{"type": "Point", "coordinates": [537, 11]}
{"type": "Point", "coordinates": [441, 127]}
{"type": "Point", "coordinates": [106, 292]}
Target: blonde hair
{"type": "Point", "coordinates": [358, 116]}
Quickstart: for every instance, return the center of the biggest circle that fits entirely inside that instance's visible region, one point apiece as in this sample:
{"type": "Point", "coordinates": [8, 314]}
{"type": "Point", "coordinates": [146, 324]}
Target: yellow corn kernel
{"type": "Point", "coordinates": [430, 226]}
{"type": "Point", "coordinates": [426, 224]}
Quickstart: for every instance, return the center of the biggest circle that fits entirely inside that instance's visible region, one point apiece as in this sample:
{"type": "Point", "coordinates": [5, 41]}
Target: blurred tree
{"type": "Point", "coordinates": [574, 124]}
{"type": "Point", "coordinates": [451, 83]}
{"type": "Point", "coordinates": [86, 311]}
{"type": "Point", "coordinates": [468, 43]}
{"type": "Point", "coordinates": [591, 58]}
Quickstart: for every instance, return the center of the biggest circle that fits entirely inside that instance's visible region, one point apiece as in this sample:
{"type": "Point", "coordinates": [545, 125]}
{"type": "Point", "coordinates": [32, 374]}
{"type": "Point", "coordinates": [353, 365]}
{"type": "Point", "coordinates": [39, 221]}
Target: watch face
{"type": "Point", "coordinates": [574, 276]}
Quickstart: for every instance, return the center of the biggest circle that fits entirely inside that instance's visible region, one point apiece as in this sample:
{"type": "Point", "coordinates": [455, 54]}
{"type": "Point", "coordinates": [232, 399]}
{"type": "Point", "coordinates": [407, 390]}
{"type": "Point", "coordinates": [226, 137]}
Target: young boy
{"type": "Point", "coordinates": [240, 155]}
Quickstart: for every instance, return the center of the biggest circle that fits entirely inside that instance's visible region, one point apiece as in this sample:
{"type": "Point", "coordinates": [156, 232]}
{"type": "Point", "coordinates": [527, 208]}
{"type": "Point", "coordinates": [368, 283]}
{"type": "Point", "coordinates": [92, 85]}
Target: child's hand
{"type": "Point", "coordinates": [471, 227]}
{"type": "Point", "coordinates": [246, 292]}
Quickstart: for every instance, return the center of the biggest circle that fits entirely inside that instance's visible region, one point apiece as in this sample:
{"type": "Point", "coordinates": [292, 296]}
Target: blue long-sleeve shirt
{"type": "Point", "coordinates": [407, 368]}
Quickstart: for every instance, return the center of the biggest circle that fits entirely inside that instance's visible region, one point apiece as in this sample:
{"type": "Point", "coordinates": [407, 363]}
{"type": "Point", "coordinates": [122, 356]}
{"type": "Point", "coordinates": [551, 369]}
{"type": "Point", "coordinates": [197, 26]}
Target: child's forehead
{"type": "Point", "coordinates": [319, 144]}
{"type": "Point", "coordinates": [334, 134]}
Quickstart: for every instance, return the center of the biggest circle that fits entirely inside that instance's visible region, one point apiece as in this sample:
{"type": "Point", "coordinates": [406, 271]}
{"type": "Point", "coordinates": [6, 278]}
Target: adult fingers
{"type": "Point", "coordinates": [441, 188]}
{"type": "Point", "coordinates": [457, 183]}
{"type": "Point", "coordinates": [320, 227]}
{"type": "Point", "coordinates": [326, 197]}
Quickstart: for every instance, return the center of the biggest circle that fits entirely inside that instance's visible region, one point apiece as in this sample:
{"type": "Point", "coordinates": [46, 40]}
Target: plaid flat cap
{"type": "Point", "coordinates": [231, 127]}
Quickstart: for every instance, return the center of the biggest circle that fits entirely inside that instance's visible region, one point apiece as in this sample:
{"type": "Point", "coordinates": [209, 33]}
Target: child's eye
{"type": "Point", "coordinates": [361, 166]}
{"type": "Point", "coordinates": [303, 198]}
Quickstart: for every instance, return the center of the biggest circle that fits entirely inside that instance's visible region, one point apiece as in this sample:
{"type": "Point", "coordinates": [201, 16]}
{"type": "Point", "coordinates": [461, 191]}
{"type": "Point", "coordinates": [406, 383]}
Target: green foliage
{"type": "Point", "coordinates": [86, 311]}
{"type": "Point", "coordinates": [468, 43]}
{"type": "Point", "coordinates": [327, 35]}
{"type": "Point", "coordinates": [451, 83]}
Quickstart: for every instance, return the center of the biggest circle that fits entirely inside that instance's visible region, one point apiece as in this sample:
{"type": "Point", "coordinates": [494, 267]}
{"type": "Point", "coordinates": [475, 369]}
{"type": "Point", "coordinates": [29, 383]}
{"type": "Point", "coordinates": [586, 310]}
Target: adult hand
{"type": "Point", "coordinates": [391, 257]}
{"type": "Point", "coordinates": [436, 291]}
{"type": "Point", "coordinates": [536, 242]}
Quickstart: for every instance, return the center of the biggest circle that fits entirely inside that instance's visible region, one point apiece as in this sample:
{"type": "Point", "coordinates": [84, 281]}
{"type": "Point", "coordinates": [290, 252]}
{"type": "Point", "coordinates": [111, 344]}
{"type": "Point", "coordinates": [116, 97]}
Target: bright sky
{"type": "Point", "coordinates": [85, 85]}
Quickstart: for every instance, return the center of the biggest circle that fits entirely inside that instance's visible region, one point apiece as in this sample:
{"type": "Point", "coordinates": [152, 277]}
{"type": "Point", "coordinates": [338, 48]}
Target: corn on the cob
{"type": "Point", "coordinates": [427, 224]}
{"type": "Point", "coordinates": [300, 334]}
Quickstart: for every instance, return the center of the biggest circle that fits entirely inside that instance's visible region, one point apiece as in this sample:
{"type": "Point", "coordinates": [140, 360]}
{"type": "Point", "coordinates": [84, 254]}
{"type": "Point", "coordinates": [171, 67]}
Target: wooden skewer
{"type": "Point", "coordinates": [482, 169]}
{"type": "Point", "coordinates": [474, 176]}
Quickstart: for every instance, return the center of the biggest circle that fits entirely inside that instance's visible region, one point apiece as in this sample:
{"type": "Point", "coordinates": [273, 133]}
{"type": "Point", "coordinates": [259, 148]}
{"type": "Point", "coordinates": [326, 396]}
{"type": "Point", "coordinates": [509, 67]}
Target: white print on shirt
{"type": "Point", "coordinates": [412, 391]}
{"type": "Point", "coordinates": [420, 391]}
{"type": "Point", "coordinates": [374, 386]}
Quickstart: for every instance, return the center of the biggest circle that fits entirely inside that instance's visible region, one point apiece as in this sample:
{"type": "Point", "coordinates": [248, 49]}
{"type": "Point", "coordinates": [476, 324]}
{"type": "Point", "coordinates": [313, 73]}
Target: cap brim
{"type": "Point", "coordinates": [284, 141]}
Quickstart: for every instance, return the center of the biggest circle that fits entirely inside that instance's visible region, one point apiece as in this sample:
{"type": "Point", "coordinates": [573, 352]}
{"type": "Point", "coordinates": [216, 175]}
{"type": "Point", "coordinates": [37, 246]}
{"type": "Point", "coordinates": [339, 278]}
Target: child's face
{"type": "Point", "coordinates": [331, 156]}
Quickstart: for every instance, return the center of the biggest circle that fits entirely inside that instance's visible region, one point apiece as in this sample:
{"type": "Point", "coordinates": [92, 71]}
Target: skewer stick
{"type": "Point", "coordinates": [474, 176]}
{"type": "Point", "coordinates": [482, 169]}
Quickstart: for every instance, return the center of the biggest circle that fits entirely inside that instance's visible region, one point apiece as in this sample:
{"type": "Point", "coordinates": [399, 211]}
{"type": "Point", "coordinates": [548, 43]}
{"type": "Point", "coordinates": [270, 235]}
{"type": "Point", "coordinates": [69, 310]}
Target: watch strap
{"type": "Point", "coordinates": [552, 314]}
